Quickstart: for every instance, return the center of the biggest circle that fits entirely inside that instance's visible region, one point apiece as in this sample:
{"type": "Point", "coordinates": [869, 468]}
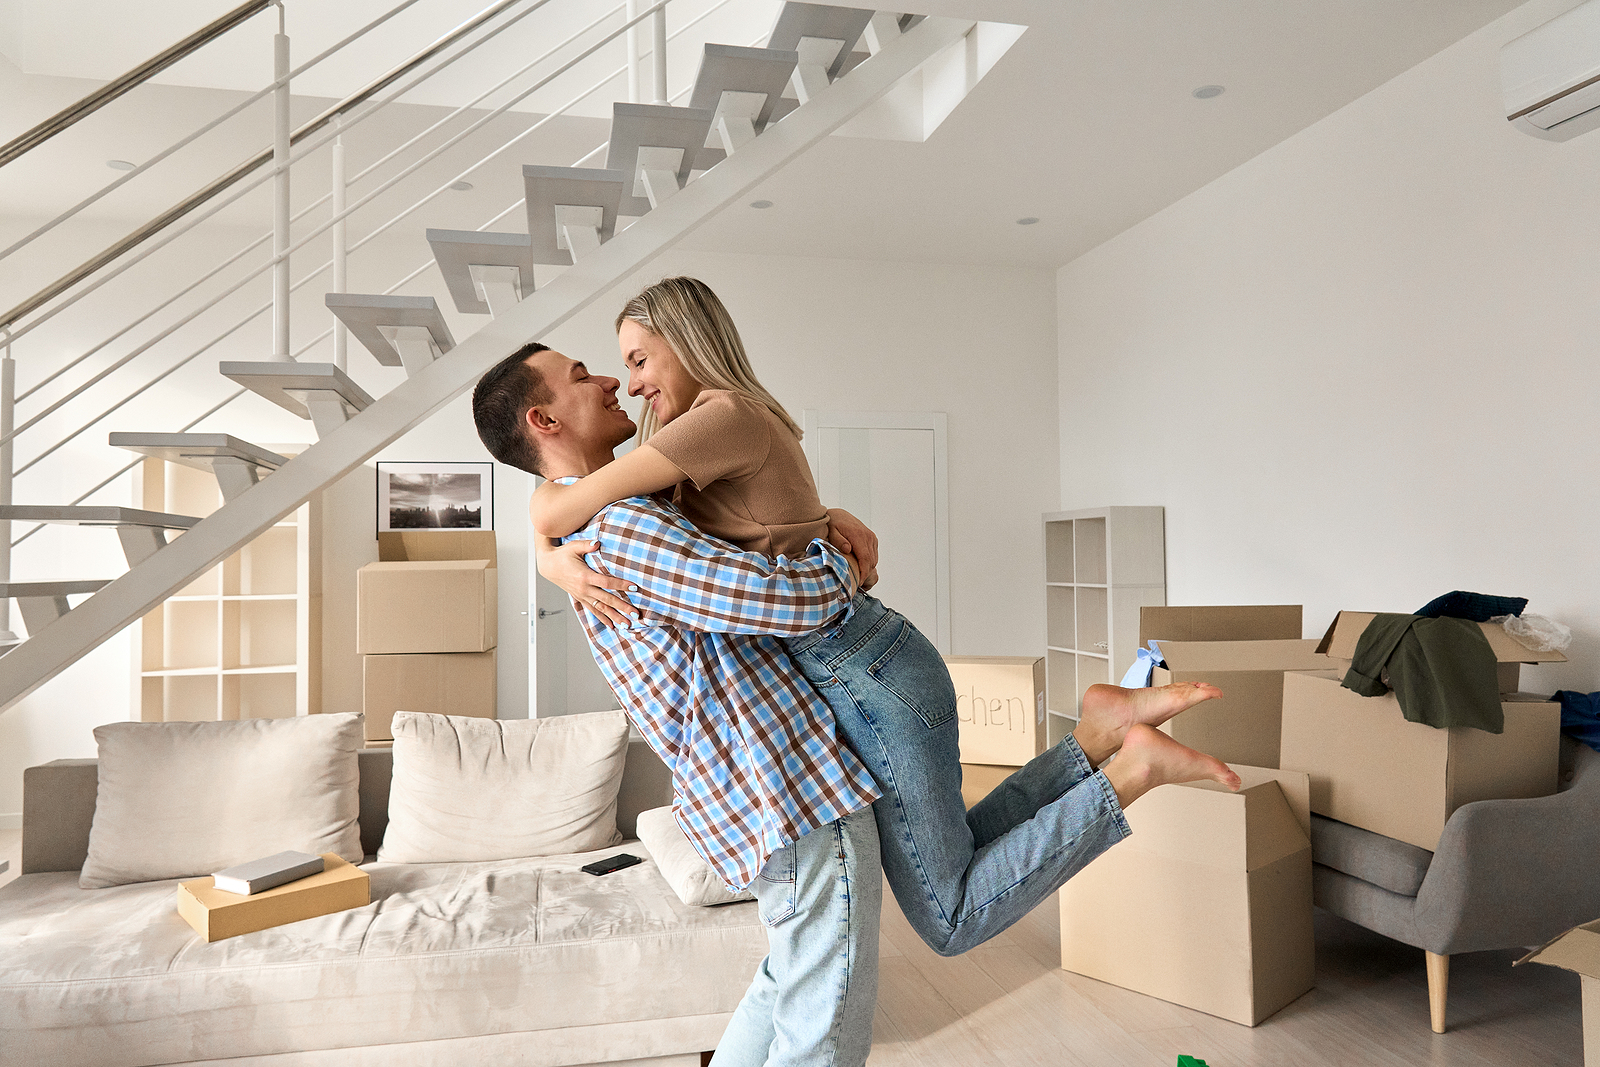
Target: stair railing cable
{"type": "Point", "coordinates": [647, 13]}
{"type": "Point", "coordinates": [203, 130]}
{"type": "Point", "coordinates": [269, 264]}
{"type": "Point", "coordinates": [241, 253]}
{"type": "Point", "coordinates": [249, 166]}
{"type": "Point", "coordinates": [69, 116]}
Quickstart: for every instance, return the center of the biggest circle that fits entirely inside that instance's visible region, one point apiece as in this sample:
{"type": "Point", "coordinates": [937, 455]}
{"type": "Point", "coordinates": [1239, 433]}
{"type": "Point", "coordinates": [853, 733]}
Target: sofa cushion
{"type": "Point", "coordinates": [182, 799]}
{"type": "Point", "coordinates": [1383, 861]}
{"type": "Point", "coordinates": [690, 876]}
{"type": "Point", "coordinates": [468, 790]}
{"type": "Point", "coordinates": [114, 978]}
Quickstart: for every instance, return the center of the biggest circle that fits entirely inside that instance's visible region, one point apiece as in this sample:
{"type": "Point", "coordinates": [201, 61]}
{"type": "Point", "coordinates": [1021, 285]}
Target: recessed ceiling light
{"type": "Point", "coordinates": [461, 187]}
{"type": "Point", "coordinates": [1029, 221]}
{"type": "Point", "coordinates": [761, 205]}
{"type": "Point", "coordinates": [1207, 92]}
{"type": "Point", "coordinates": [120, 164]}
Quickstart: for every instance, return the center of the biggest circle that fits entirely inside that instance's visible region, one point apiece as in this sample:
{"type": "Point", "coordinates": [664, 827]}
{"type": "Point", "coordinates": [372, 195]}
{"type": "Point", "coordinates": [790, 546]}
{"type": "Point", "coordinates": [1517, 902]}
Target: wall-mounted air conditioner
{"type": "Point", "coordinates": [1551, 76]}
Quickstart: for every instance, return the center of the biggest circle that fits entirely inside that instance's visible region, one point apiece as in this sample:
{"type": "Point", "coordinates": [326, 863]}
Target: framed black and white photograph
{"type": "Point", "coordinates": [435, 496]}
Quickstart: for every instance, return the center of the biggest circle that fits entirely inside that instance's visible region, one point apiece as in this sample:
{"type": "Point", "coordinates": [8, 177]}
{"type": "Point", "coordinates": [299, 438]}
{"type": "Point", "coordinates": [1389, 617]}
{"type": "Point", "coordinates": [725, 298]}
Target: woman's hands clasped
{"type": "Point", "coordinates": [564, 567]}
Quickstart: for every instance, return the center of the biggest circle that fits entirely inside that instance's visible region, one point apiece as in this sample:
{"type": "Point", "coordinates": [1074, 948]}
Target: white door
{"type": "Point", "coordinates": [888, 469]}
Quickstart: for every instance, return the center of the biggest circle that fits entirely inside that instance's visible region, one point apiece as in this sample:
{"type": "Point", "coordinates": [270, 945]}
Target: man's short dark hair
{"type": "Point", "coordinates": [500, 404]}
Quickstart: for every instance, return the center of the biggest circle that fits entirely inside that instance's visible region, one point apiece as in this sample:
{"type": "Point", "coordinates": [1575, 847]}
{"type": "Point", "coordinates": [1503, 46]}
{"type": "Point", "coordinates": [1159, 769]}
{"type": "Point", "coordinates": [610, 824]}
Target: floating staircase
{"type": "Point", "coordinates": [739, 129]}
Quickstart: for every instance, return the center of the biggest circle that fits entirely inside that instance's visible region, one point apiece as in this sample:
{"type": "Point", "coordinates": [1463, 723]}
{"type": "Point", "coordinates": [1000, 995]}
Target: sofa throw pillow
{"type": "Point", "coordinates": [185, 799]}
{"type": "Point", "coordinates": [467, 789]}
{"type": "Point", "coordinates": [689, 876]}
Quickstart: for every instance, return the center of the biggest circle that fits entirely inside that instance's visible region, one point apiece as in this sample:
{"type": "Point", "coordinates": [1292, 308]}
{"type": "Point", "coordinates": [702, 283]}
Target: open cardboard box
{"type": "Point", "coordinates": [1243, 650]}
{"type": "Point", "coordinates": [1579, 950]}
{"type": "Point", "coordinates": [1208, 903]}
{"type": "Point", "coordinates": [1000, 708]}
{"type": "Point", "coordinates": [1371, 768]}
{"type": "Point", "coordinates": [410, 606]}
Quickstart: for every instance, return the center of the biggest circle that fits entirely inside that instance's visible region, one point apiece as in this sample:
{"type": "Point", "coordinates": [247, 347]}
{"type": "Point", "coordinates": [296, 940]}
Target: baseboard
{"type": "Point", "coordinates": [11, 821]}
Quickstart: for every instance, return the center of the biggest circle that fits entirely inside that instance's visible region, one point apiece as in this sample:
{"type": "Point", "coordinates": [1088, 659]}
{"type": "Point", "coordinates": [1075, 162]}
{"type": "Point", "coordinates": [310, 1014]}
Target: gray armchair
{"type": "Point", "coordinates": [1507, 874]}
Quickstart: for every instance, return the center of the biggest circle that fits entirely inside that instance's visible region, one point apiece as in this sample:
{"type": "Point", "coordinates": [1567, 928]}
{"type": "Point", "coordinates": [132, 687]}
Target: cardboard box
{"type": "Point", "coordinates": [1371, 768]}
{"type": "Point", "coordinates": [1579, 950]}
{"type": "Point", "coordinates": [1231, 622]}
{"type": "Point", "coordinates": [1207, 904]}
{"type": "Point", "coordinates": [1000, 705]}
{"type": "Point", "coordinates": [216, 915]}
{"type": "Point", "coordinates": [396, 546]}
{"type": "Point", "coordinates": [1243, 650]}
{"type": "Point", "coordinates": [1347, 627]}
{"type": "Point", "coordinates": [978, 780]}
{"type": "Point", "coordinates": [427, 606]}
{"type": "Point", "coordinates": [444, 683]}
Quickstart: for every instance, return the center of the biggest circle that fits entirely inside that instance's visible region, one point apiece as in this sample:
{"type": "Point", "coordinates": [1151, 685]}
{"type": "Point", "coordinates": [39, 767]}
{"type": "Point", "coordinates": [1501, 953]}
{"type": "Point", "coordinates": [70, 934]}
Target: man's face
{"type": "Point", "coordinates": [585, 405]}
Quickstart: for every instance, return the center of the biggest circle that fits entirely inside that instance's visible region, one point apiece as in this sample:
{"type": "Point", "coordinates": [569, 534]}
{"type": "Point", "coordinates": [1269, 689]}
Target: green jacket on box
{"type": "Point", "coordinates": [1442, 671]}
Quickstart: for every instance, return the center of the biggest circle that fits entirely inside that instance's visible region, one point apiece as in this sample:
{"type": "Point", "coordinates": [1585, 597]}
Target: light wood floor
{"type": "Point", "coordinates": [1009, 1002]}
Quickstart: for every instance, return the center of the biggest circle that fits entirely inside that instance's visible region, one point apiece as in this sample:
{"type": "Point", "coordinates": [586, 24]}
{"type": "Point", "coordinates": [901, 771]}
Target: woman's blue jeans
{"type": "Point", "coordinates": [961, 877]}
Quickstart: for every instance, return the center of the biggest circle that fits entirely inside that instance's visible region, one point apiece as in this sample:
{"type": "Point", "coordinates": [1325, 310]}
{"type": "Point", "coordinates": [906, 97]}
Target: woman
{"type": "Point", "coordinates": [711, 430]}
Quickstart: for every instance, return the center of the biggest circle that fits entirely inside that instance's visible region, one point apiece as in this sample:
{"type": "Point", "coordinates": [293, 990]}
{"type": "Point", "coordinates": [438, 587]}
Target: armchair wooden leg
{"type": "Point", "coordinates": [1438, 989]}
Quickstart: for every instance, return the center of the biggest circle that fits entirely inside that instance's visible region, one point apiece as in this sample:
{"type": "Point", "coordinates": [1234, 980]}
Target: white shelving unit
{"type": "Point", "coordinates": [244, 640]}
{"type": "Point", "coordinates": [1101, 565]}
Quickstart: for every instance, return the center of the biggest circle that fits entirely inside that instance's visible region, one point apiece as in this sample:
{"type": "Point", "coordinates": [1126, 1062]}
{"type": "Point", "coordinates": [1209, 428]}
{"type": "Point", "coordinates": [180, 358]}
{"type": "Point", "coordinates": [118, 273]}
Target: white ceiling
{"type": "Point", "coordinates": [1088, 123]}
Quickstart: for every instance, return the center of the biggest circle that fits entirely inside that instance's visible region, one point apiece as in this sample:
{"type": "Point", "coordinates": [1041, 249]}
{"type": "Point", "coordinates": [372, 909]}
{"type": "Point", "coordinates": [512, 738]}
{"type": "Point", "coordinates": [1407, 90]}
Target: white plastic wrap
{"type": "Point", "coordinates": [1536, 632]}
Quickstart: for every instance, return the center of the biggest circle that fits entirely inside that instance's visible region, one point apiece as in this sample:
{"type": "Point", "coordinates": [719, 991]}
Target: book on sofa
{"type": "Point", "coordinates": [269, 872]}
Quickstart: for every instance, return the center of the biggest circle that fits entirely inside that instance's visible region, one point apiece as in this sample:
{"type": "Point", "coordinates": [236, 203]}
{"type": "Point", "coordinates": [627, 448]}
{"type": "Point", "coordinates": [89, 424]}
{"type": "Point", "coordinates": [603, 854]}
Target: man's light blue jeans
{"type": "Point", "coordinates": [813, 996]}
{"type": "Point", "coordinates": [961, 877]}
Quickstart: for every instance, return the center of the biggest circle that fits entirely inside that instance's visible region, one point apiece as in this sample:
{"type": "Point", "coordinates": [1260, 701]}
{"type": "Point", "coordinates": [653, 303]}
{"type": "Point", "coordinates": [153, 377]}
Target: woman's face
{"type": "Point", "coordinates": [655, 373]}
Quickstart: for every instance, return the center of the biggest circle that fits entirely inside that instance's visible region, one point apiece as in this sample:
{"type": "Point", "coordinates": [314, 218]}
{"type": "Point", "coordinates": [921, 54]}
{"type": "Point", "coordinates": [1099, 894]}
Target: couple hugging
{"type": "Point", "coordinates": [810, 730]}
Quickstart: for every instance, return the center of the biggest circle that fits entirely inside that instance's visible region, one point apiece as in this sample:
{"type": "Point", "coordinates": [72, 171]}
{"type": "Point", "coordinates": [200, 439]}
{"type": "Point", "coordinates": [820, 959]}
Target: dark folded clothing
{"type": "Point", "coordinates": [1580, 716]}
{"type": "Point", "coordinates": [1477, 607]}
{"type": "Point", "coordinates": [1442, 671]}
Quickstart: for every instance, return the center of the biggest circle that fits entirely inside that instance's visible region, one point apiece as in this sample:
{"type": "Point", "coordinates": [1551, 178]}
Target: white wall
{"type": "Point", "coordinates": [1360, 370]}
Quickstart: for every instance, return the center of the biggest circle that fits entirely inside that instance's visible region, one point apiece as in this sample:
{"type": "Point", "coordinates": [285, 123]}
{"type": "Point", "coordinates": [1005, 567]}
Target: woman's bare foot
{"type": "Point", "coordinates": [1109, 711]}
{"type": "Point", "coordinates": [1149, 758]}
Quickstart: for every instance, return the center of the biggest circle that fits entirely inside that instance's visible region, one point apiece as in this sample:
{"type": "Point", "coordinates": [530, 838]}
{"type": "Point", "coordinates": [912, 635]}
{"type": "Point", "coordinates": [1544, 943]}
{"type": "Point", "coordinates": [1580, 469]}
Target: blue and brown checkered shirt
{"type": "Point", "coordinates": [750, 743]}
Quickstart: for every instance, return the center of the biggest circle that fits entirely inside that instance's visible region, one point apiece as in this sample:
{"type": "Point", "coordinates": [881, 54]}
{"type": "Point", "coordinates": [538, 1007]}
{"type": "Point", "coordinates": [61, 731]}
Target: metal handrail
{"type": "Point", "coordinates": [265, 91]}
{"type": "Point", "coordinates": [102, 96]}
{"type": "Point", "coordinates": [249, 166]}
{"type": "Point", "coordinates": [642, 15]}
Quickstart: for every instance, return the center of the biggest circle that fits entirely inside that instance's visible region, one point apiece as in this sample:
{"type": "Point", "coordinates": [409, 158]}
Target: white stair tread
{"type": "Point", "coordinates": [546, 187]}
{"type": "Point", "coordinates": [729, 68]}
{"type": "Point", "coordinates": [843, 24]}
{"type": "Point", "coordinates": [365, 314]}
{"type": "Point", "coordinates": [52, 589]}
{"type": "Point", "coordinates": [273, 381]}
{"type": "Point", "coordinates": [196, 449]}
{"type": "Point", "coordinates": [658, 126]}
{"type": "Point", "coordinates": [457, 251]}
{"type": "Point", "coordinates": [70, 515]}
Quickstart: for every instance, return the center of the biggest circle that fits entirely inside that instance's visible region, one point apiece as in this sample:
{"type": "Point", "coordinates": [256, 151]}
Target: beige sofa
{"type": "Point", "coordinates": [526, 962]}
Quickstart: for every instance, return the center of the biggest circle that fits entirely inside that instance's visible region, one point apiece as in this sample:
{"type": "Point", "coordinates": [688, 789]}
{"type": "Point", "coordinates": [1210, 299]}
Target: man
{"type": "Point", "coordinates": [762, 787]}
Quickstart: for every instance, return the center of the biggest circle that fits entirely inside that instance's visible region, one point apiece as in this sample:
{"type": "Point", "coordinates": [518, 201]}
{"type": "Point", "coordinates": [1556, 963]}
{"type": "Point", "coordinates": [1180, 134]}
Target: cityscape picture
{"type": "Point", "coordinates": [435, 496]}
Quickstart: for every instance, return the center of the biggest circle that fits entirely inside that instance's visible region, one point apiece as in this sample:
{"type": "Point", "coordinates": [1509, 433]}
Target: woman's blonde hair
{"type": "Point", "coordinates": [686, 314]}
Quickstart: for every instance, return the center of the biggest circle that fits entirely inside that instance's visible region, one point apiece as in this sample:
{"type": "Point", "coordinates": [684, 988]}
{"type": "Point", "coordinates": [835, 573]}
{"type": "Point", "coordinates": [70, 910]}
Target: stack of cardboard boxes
{"type": "Point", "coordinates": [1208, 904]}
{"type": "Point", "coordinates": [426, 626]}
{"type": "Point", "coordinates": [1000, 706]}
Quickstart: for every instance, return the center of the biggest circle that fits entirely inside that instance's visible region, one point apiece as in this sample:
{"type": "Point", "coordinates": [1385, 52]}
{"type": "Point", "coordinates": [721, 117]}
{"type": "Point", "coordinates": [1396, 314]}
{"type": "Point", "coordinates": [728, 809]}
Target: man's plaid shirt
{"type": "Point", "coordinates": [707, 681]}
